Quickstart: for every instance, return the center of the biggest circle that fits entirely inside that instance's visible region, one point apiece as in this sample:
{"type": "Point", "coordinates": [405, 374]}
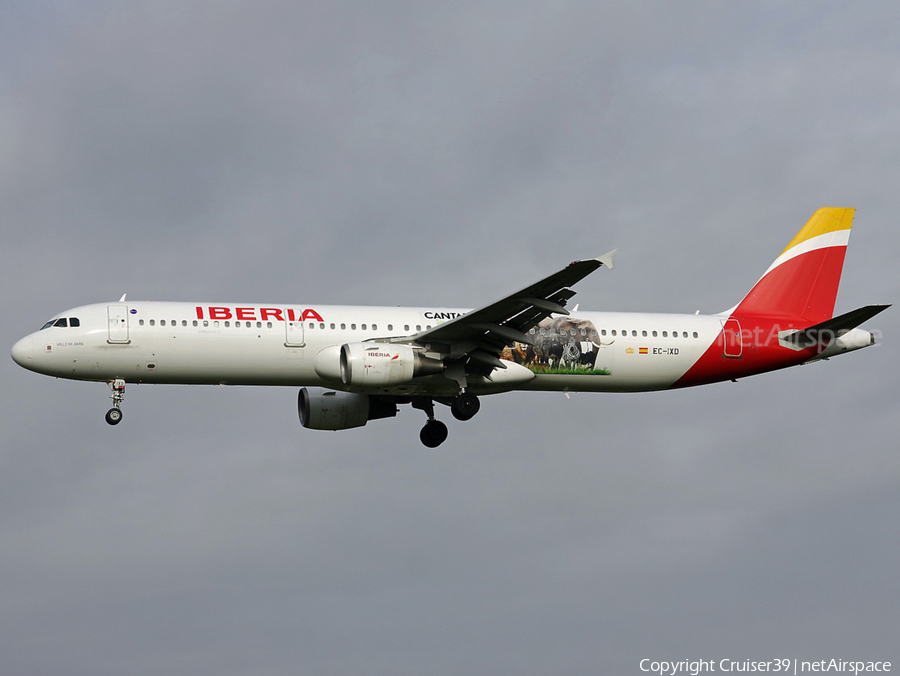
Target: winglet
{"type": "Point", "coordinates": [122, 299]}
{"type": "Point", "coordinates": [607, 258]}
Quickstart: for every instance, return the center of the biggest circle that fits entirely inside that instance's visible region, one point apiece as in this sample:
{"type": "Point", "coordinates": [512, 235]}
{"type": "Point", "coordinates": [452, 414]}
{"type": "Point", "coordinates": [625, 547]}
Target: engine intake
{"type": "Point", "coordinates": [340, 410]}
{"type": "Point", "coordinates": [380, 364]}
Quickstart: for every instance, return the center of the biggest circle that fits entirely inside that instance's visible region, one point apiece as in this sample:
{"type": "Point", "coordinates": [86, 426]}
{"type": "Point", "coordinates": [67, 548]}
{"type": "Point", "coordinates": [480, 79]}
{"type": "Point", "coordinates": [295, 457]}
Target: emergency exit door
{"type": "Point", "coordinates": [733, 346]}
{"type": "Point", "coordinates": [118, 323]}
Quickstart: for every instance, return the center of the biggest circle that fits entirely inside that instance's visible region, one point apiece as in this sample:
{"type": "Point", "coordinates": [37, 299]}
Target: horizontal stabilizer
{"type": "Point", "coordinates": [824, 332]}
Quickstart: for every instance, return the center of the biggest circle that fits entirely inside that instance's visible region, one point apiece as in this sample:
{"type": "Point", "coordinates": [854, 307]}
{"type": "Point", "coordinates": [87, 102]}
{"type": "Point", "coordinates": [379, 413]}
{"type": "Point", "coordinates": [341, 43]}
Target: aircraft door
{"type": "Point", "coordinates": [293, 334]}
{"type": "Point", "coordinates": [731, 337]}
{"type": "Point", "coordinates": [118, 324]}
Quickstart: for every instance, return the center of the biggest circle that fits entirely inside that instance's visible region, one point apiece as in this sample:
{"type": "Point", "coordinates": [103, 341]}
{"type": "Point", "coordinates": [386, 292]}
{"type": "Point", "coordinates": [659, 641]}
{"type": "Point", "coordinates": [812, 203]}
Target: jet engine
{"type": "Point", "coordinates": [381, 364]}
{"type": "Point", "coordinates": [340, 410]}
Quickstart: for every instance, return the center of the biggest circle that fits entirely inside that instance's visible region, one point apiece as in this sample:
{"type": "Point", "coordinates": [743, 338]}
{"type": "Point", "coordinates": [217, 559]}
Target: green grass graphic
{"type": "Point", "coordinates": [569, 371]}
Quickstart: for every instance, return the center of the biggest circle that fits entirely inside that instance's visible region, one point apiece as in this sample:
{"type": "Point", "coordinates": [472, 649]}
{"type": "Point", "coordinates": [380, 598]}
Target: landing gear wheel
{"type": "Point", "coordinates": [433, 434]}
{"type": "Point", "coordinates": [465, 406]}
{"type": "Point", "coordinates": [114, 416]}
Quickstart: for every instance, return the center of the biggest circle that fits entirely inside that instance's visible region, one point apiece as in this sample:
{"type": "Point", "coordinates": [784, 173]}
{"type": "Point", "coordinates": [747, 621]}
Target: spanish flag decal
{"type": "Point", "coordinates": [643, 350]}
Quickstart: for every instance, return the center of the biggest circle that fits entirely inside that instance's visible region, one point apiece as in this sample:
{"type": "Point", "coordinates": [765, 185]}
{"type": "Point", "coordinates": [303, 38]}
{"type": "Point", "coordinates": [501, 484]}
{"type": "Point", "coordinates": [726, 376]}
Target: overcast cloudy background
{"type": "Point", "coordinates": [444, 154]}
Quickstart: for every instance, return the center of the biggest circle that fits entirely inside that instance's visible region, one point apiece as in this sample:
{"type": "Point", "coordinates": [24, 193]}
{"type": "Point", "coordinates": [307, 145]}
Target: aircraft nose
{"type": "Point", "coordinates": [22, 352]}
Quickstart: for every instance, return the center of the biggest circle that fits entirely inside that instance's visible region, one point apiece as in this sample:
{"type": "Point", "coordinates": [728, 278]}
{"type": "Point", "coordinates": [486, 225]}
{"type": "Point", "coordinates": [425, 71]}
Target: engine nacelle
{"type": "Point", "coordinates": [382, 364]}
{"type": "Point", "coordinates": [340, 410]}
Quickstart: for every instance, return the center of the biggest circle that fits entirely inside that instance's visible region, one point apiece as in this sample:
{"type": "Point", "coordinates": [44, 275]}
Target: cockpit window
{"type": "Point", "coordinates": [62, 322]}
{"type": "Point", "coordinates": [73, 321]}
{"type": "Point", "coordinates": [47, 325]}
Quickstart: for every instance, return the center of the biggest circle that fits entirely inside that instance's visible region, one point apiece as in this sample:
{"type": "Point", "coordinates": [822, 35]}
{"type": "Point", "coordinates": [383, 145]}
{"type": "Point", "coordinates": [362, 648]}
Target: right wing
{"type": "Point", "coordinates": [477, 338]}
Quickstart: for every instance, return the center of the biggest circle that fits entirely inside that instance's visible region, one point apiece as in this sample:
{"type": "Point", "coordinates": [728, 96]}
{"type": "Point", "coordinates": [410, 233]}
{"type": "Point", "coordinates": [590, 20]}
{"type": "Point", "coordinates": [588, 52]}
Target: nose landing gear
{"type": "Point", "coordinates": [114, 415]}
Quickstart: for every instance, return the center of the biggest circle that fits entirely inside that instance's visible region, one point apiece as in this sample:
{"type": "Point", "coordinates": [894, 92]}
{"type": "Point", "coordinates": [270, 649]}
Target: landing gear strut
{"type": "Point", "coordinates": [114, 415]}
{"type": "Point", "coordinates": [435, 432]}
{"type": "Point", "coordinates": [465, 406]}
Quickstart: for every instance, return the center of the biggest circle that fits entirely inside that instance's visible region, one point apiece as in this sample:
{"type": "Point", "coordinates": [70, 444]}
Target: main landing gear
{"type": "Point", "coordinates": [114, 415]}
{"type": "Point", "coordinates": [434, 433]}
{"type": "Point", "coordinates": [463, 407]}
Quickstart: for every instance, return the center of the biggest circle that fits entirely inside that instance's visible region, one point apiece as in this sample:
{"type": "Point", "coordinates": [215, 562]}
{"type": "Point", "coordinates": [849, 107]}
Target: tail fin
{"type": "Point", "coordinates": [803, 281]}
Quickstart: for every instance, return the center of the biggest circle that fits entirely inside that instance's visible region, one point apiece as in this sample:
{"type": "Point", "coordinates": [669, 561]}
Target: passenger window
{"type": "Point", "coordinates": [390, 327]}
{"type": "Point", "coordinates": [195, 322]}
{"type": "Point", "coordinates": [353, 327]}
{"type": "Point", "coordinates": [654, 334]}
{"type": "Point", "coordinates": [162, 322]}
{"type": "Point", "coordinates": [259, 325]}
{"type": "Point", "coordinates": [343, 327]}
{"type": "Point", "coordinates": [73, 321]}
{"type": "Point", "coordinates": [684, 334]}
{"type": "Point", "coordinates": [644, 334]}
{"type": "Point", "coordinates": [141, 322]}
{"type": "Point", "coordinates": [418, 327]}
{"type": "Point", "coordinates": [321, 326]}
{"type": "Point", "coordinates": [374, 327]}
{"type": "Point", "coordinates": [614, 332]}
{"type": "Point", "coordinates": [312, 325]}
{"type": "Point", "coordinates": [268, 325]}
{"type": "Point", "coordinates": [665, 334]}
{"type": "Point", "coordinates": [406, 327]}
{"type": "Point", "coordinates": [62, 323]}
{"type": "Point", "coordinates": [152, 322]}
{"type": "Point", "coordinates": [227, 324]}
{"type": "Point", "coordinates": [205, 322]}
{"type": "Point", "coordinates": [602, 332]}
{"type": "Point", "coordinates": [332, 326]}
{"type": "Point", "coordinates": [634, 333]}
{"type": "Point", "coordinates": [696, 335]}
{"type": "Point", "coordinates": [363, 327]}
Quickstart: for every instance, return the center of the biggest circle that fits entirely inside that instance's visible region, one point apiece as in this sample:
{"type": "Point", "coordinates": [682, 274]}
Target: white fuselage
{"type": "Point", "coordinates": [253, 344]}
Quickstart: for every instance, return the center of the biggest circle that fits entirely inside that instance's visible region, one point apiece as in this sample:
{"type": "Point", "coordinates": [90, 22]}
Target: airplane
{"type": "Point", "coordinates": [370, 360]}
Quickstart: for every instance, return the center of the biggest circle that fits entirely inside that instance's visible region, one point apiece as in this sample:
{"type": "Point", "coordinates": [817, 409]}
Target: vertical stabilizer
{"type": "Point", "coordinates": [803, 281]}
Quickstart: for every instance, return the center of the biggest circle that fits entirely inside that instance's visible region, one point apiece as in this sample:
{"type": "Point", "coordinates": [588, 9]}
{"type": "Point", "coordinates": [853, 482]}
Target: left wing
{"type": "Point", "coordinates": [476, 339]}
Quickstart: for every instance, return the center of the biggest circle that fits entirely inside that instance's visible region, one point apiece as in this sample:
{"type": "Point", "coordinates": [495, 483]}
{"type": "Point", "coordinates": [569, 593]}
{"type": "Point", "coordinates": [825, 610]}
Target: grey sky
{"type": "Point", "coordinates": [402, 153]}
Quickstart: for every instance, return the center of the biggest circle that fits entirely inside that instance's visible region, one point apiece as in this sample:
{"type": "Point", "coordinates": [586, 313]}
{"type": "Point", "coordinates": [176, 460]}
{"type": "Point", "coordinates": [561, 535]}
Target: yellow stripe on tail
{"type": "Point", "coordinates": [825, 220]}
